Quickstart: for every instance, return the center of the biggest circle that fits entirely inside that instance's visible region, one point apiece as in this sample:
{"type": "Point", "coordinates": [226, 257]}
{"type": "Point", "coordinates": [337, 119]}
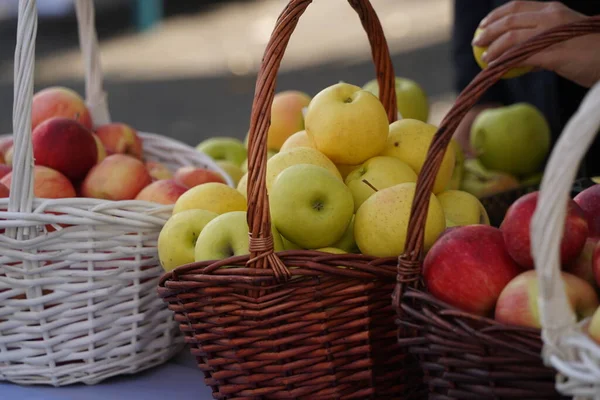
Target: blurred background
{"type": "Point", "coordinates": [187, 68]}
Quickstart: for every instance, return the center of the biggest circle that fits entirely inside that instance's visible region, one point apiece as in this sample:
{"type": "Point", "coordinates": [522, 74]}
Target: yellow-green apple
{"type": "Point", "coordinates": [332, 250]}
{"type": "Point", "coordinates": [191, 176]}
{"type": "Point", "coordinates": [65, 145]}
{"type": "Point", "coordinates": [120, 138]}
{"type": "Point", "coordinates": [468, 267]}
{"type": "Point", "coordinates": [514, 139]}
{"type": "Point", "coordinates": [377, 173]}
{"type": "Point", "coordinates": [409, 140]}
{"type": "Point", "coordinates": [242, 185]}
{"type": "Point", "coordinates": [583, 265]}
{"type": "Point", "coordinates": [177, 239]}
{"type": "Point", "coordinates": [5, 170]}
{"type": "Point", "coordinates": [286, 117]}
{"type": "Point", "coordinates": [117, 177]}
{"type": "Point", "coordinates": [47, 183]}
{"type": "Point", "coordinates": [518, 301]}
{"type": "Point", "coordinates": [589, 201]}
{"type": "Point", "coordinates": [224, 148]}
{"type": "Point", "coordinates": [299, 155]}
{"type": "Point", "coordinates": [532, 180]}
{"type": "Point", "coordinates": [59, 102]}
{"type": "Point", "coordinates": [345, 169]}
{"type": "Point", "coordinates": [593, 328]}
{"type": "Point", "coordinates": [213, 196]}
{"type": "Point", "coordinates": [315, 213]}
{"type": "Point", "coordinates": [347, 241]}
{"type": "Point", "coordinates": [347, 124]}
{"type": "Point", "coordinates": [227, 235]}
{"type": "Point", "coordinates": [381, 222]}
{"type": "Point", "coordinates": [158, 170]}
{"type": "Point", "coordinates": [270, 153]}
{"type": "Point", "coordinates": [411, 99]}
{"type": "Point", "coordinates": [478, 53]}
{"type": "Point", "coordinates": [4, 191]}
{"type": "Point", "coordinates": [516, 230]}
{"type": "Point", "coordinates": [462, 208]}
{"type": "Point", "coordinates": [287, 245]}
{"type": "Point", "coordinates": [481, 182]}
{"type": "Point", "coordinates": [101, 150]}
{"type": "Point", "coordinates": [234, 171]}
{"type": "Point", "coordinates": [298, 139]}
{"type": "Point", "coordinates": [163, 191]}
{"type": "Point", "coordinates": [459, 166]}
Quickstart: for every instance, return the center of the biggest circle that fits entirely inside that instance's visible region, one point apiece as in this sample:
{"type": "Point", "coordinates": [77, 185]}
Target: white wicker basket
{"type": "Point", "coordinates": [567, 347]}
{"type": "Point", "coordinates": [79, 303]}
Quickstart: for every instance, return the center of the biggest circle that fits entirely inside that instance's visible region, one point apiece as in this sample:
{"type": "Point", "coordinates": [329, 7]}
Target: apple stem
{"type": "Point", "coordinates": [369, 185]}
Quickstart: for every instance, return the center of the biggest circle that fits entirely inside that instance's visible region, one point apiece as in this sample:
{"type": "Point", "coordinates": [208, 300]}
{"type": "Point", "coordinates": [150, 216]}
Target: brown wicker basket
{"type": "Point", "coordinates": [261, 329]}
{"type": "Point", "coordinates": [464, 356]}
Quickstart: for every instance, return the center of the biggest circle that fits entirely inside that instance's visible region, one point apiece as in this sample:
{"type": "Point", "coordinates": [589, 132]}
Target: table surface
{"type": "Point", "coordinates": [180, 378]}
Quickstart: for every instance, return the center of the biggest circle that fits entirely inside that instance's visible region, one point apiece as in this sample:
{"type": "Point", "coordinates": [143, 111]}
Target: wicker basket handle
{"type": "Point", "coordinates": [261, 241]}
{"type": "Point", "coordinates": [547, 225]}
{"type": "Point", "coordinates": [21, 190]}
{"type": "Point", "coordinates": [410, 263]}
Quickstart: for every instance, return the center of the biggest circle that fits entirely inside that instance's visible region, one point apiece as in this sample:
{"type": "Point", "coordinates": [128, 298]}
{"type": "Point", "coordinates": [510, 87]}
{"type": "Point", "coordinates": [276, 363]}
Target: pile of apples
{"type": "Point", "coordinates": [74, 159]}
{"type": "Point", "coordinates": [490, 272]}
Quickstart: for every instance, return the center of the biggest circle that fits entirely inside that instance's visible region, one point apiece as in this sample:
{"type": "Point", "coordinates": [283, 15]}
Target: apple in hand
{"type": "Point", "coordinates": [65, 145]}
{"type": "Point", "coordinates": [59, 102]}
{"type": "Point", "coordinates": [516, 231]}
{"type": "Point", "coordinates": [190, 176]}
{"type": "Point", "coordinates": [518, 302]}
{"type": "Point", "coordinates": [47, 183]}
{"type": "Point", "coordinates": [163, 191]}
{"type": "Point", "coordinates": [224, 149]}
{"type": "Point", "coordinates": [158, 170]}
{"type": "Point", "coordinates": [117, 177]}
{"type": "Point", "coordinates": [212, 196]}
{"type": "Point", "coordinates": [478, 53]}
{"type": "Point", "coordinates": [4, 191]}
{"type": "Point", "coordinates": [314, 214]}
{"type": "Point", "coordinates": [411, 99]}
{"type": "Point", "coordinates": [227, 235]}
{"type": "Point", "coordinates": [381, 222]}
{"type": "Point", "coordinates": [468, 267]}
{"type": "Point", "coordinates": [583, 265]}
{"type": "Point", "coordinates": [347, 124]}
{"type": "Point", "coordinates": [379, 172]}
{"type": "Point", "coordinates": [177, 239]}
{"type": "Point", "coordinates": [120, 138]}
{"type": "Point", "coordinates": [589, 201]}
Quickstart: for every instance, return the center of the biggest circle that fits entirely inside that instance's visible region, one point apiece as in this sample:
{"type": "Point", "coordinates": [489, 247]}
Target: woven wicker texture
{"type": "Point", "coordinates": [464, 356]}
{"type": "Point", "coordinates": [78, 276]}
{"type": "Point", "coordinates": [294, 324]}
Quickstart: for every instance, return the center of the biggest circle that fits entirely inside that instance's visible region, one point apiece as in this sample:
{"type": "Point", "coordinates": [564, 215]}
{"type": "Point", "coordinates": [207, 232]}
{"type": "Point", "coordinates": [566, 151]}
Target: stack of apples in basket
{"type": "Point", "coordinates": [75, 159]}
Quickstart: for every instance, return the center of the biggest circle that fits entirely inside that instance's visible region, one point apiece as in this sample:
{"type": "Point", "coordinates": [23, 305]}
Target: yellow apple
{"type": "Point", "coordinates": [411, 99]}
{"type": "Point", "coordinates": [380, 172]}
{"type": "Point", "coordinates": [298, 139]}
{"type": "Point", "coordinates": [298, 155]}
{"type": "Point", "coordinates": [310, 206]}
{"type": "Point", "coordinates": [462, 208]}
{"type": "Point", "coordinates": [242, 185]}
{"type": "Point", "coordinates": [177, 238]}
{"type": "Point", "coordinates": [226, 236]}
{"type": "Point", "coordinates": [347, 124]}
{"type": "Point", "coordinates": [409, 140]}
{"type": "Point", "coordinates": [212, 196]}
{"type": "Point", "coordinates": [332, 250]}
{"type": "Point", "coordinates": [231, 169]}
{"type": "Point", "coordinates": [345, 169]}
{"type": "Point", "coordinates": [381, 223]}
{"type": "Point", "coordinates": [478, 52]}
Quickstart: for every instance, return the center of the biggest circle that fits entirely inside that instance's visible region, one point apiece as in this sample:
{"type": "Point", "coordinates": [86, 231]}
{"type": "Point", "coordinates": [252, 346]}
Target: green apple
{"type": "Point", "coordinates": [462, 208]}
{"type": "Point", "coordinates": [379, 172]}
{"type": "Point", "coordinates": [459, 166]}
{"type": "Point", "coordinates": [482, 182]}
{"type": "Point", "coordinates": [234, 171]}
{"type": "Point", "coordinates": [287, 245]}
{"type": "Point", "coordinates": [533, 179]}
{"type": "Point", "coordinates": [514, 139]}
{"type": "Point", "coordinates": [226, 236]}
{"type": "Point", "coordinates": [310, 206]}
{"type": "Point", "coordinates": [347, 241]}
{"type": "Point", "coordinates": [411, 99]}
{"type": "Point", "coordinates": [177, 238]}
{"type": "Point", "coordinates": [224, 148]}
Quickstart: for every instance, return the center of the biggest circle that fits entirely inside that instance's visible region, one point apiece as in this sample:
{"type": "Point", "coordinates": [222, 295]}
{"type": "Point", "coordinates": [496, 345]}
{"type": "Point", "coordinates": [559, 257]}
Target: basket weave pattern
{"type": "Point", "coordinates": [462, 355]}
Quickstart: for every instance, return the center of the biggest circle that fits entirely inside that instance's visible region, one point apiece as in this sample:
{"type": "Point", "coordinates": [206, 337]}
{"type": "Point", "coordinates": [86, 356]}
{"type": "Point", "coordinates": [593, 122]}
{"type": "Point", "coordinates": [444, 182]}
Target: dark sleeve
{"type": "Point", "coordinates": [467, 15]}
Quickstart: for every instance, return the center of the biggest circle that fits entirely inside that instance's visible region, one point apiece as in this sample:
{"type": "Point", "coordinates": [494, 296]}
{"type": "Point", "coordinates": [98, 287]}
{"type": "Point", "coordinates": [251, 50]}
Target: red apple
{"type": "Point", "coordinates": [101, 150]}
{"type": "Point", "coordinates": [164, 191]}
{"type": "Point", "coordinates": [48, 183]}
{"type": "Point", "coordinates": [4, 170]}
{"type": "Point", "coordinates": [117, 177]}
{"type": "Point", "coordinates": [158, 170]}
{"type": "Point", "coordinates": [59, 102]}
{"type": "Point", "coordinates": [467, 267]}
{"type": "Point", "coordinates": [66, 146]}
{"type": "Point", "coordinates": [583, 265]}
{"type": "Point", "coordinates": [4, 192]}
{"type": "Point", "coordinates": [516, 230]}
{"type": "Point", "coordinates": [120, 138]}
{"type": "Point", "coordinates": [589, 201]}
{"type": "Point", "coordinates": [596, 264]}
{"type": "Point", "coordinates": [518, 302]}
{"type": "Point", "coordinates": [194, 176]}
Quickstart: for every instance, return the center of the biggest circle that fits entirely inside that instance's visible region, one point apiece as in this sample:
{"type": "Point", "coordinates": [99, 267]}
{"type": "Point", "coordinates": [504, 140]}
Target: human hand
{"type": "Point", "coordinates": [577, 59]}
